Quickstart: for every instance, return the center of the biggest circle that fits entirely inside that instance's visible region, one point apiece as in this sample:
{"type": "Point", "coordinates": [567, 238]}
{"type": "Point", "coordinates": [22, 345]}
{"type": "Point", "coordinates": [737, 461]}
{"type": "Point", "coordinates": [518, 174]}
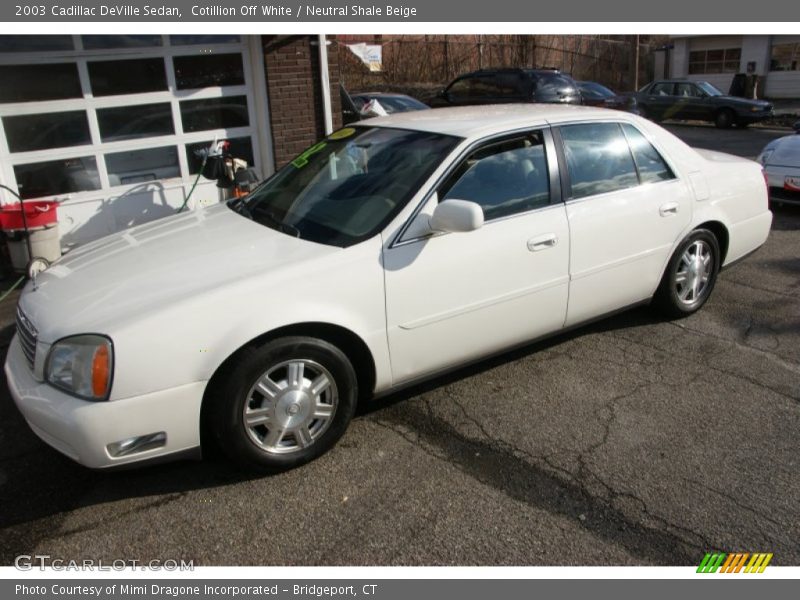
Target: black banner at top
{"type": "Point", "coordinates": [434, 11]}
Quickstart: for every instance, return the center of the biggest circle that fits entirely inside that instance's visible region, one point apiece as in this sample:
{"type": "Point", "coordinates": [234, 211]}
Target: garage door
{"type": "Point", "coordinates": [110, 125]}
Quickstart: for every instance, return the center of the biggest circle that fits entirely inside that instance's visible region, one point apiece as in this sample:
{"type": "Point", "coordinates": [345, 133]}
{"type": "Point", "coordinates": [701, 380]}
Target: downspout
{"type": "Point", "coordinates": [327, 110]}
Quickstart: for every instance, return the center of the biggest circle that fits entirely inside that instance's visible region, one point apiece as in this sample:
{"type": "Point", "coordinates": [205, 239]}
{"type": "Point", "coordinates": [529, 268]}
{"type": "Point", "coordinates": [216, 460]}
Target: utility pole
{"type": "Point", "coordinates": [636, 63]}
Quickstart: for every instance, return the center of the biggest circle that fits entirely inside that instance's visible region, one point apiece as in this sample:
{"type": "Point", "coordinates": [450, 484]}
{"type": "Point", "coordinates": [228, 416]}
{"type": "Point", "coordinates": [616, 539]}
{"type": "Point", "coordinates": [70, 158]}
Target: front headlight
{"type": "Point", "coordinates": [81, 365]}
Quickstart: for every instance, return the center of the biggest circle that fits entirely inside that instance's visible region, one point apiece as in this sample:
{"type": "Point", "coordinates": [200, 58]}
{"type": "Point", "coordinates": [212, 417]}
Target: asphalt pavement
{"type": "Point", "coordinates": [634, 441]}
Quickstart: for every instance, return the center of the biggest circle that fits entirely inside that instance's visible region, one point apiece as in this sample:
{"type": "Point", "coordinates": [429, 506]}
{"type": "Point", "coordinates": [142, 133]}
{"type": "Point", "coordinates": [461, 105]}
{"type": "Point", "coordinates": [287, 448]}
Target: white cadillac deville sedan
{"type": "Point", "coordinates": [388, 252]}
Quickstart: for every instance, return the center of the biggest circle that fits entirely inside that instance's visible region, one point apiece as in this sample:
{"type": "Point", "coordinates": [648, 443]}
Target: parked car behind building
{"type": "Point", "coordinates": [595, 94]}
{"type": "Point", "coordinates": [500, 86]}
{"type": "Point", "coordinates": [701, 101]}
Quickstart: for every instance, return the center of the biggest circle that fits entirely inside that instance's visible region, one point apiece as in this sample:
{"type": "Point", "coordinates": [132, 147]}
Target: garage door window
{"type": "Point", "coordinates": [133, 122]}
{"type": "Point", "coordinates": [208, 71]}
{"type": "Point", "coordinates": [34, 83]}
{"type": "Point", "coordinates": [115, 77]}
{"type": "Point", "coordinates": [26, 133]}
{"type": "Point", "coordinates": [62, 176]}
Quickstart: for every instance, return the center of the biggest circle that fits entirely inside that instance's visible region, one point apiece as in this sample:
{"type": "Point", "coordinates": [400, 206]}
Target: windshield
{"type": "Point", "coordinates": [708, 88]}
{"type": "Point", "coordinates": [345, 188]}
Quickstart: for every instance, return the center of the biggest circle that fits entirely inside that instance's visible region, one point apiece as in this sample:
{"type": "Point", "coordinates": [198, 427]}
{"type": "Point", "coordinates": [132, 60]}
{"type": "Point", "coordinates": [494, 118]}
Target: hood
{"type": "Point", "coordinates": [141, 269]}
{"type": "Point", "coordinates": [743, 101]}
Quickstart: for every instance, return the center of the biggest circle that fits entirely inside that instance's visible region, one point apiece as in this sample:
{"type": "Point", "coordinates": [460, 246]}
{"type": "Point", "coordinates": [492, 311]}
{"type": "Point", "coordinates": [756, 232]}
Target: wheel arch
{"type": "Point", "coordinates": [720, 231]}
{"type": "Point", "coordinates": [353, 346]}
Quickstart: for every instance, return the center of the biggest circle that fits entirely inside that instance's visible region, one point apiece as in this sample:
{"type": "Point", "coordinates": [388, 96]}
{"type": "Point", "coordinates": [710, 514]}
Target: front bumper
{"type": "Point", "coordinates": [83, 430]}
{"type": "Point", "coordinates": [754, 117]}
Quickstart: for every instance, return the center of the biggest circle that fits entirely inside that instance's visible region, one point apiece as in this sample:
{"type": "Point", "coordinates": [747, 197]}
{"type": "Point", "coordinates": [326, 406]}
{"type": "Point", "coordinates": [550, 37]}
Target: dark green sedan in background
{"type": "Point", "coordinates": [698, 101]}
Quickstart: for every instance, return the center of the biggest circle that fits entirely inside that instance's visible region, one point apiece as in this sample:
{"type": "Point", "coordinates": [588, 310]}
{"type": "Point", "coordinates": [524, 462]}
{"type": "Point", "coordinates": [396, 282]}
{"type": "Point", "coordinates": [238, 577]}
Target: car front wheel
{"type": "Point", "coordinates": [724, 118]}
{"type": "Point", "coordinates": [690, 276]}
{"type": "Point", "coordinates": [284, 403]}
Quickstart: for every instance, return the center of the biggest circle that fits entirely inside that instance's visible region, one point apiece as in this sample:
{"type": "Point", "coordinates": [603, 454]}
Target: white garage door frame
{"type": "Point", "coordinates": [175, 188]}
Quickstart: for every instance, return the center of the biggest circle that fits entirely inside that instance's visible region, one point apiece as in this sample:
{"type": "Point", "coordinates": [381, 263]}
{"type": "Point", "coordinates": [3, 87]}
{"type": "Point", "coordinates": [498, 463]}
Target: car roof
{"type": "Point", "coordinates": [473, 121]}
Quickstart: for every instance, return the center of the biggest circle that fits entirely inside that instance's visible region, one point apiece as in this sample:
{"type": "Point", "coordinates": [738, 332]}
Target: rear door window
{"type": "Point", "coordinates": [651, 166]}
{"type": "Point", "coordinates": [662, 89]}
{"type": "Point", "coordinates": [598, 159]}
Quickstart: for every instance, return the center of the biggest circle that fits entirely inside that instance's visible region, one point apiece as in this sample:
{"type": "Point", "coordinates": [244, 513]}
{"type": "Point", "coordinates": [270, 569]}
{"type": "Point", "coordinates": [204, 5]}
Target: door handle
{"type": "Point", "coordinates": [668, 209]}
{"type": "Point", "coordinates": [542, 242]}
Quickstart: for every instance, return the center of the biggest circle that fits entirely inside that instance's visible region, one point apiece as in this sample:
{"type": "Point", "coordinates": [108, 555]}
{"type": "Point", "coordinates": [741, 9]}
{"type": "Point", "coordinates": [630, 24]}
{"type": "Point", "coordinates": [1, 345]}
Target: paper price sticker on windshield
{"type": "Point", "coordinates": [792, 183]}
{"type": "Point", "coordinates": [342, 133]}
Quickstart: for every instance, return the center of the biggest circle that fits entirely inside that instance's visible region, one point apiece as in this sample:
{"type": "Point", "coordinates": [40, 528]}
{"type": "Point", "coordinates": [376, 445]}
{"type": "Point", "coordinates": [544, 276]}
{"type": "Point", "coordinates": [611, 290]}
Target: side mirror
{"type": "Point", "coordinates": [456, 216]}
{"type": "Point", "coordinates": [796, 127]}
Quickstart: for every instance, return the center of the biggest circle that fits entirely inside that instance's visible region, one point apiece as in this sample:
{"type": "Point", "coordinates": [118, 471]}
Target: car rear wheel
{"type": "Point", "coordinates": [690, 276]}
{"type": "Point", "coordinates": [284, 403]}
{"type": "Point", "coordinates": [724, 118]}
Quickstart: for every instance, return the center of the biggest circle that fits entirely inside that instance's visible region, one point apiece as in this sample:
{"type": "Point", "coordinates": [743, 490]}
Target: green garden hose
{"type": "Point", "coordinates": [12, 288]}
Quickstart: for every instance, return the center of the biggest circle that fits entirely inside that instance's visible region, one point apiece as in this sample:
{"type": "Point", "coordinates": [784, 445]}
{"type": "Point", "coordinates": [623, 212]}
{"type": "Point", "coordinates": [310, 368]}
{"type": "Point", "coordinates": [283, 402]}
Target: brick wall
{"type": "Point", "coordinates": [295, 92]}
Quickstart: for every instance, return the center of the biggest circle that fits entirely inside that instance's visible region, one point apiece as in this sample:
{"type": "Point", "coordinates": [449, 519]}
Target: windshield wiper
{"type": "Point", "coordinates": [238, 205]}
{"type": "Point", "coordinates": [276, 223]}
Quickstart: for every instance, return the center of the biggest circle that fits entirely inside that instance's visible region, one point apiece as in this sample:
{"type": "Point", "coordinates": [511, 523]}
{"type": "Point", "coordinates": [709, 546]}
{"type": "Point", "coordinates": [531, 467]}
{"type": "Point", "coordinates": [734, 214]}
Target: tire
{"type": "Point", "coordinates": [724, 118]}
{"type": "Point", "coordinates": [688, 281]}
{"type": "Point", "coordinates": [268, 416]}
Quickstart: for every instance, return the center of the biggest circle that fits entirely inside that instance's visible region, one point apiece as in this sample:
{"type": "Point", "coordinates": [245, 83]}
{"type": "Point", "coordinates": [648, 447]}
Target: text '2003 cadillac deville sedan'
{"type": "Point", "coordinates": [388, 252]}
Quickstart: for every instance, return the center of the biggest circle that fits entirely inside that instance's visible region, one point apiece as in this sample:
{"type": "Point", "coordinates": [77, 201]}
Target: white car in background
{"type": "Point", "coordinates": [781, 160]}
{"type": "Point", "coordinates": [390, 251]}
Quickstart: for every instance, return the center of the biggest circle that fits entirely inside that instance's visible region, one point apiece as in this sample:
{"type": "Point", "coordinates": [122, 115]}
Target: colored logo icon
{"type": "Point", "coordinates": [740, 562]}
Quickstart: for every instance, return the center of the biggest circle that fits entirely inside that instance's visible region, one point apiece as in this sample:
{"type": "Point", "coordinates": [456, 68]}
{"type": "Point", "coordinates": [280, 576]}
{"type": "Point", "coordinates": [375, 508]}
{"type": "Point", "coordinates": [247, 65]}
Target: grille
{"type": "Point", "coordinates": [27, 336]}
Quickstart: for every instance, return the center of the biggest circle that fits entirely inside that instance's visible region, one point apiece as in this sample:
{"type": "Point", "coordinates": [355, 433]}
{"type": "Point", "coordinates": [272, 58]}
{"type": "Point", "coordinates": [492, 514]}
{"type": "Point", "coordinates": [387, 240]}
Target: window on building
{"type": "Point", "coordinates": [785, 57]}
{"type": "Point", "coordinates": [714, 61]}
{"type": "Point", "coordinates": [208, 70]}
{"type": "Point", "coordinates": [60, 176]}
{"type": "Point", "coordinates": [104, 42]}
{"type": "Point", "coordinates": [137, 76]}
{"type": "Point", "coordinates": [35, 43]}
{"type": "Point", "coordinates": [32, 83]}
{"type": "Point", "coordinates": [134, 122]}
{"type": "Point", "coordinates": [26, 133]}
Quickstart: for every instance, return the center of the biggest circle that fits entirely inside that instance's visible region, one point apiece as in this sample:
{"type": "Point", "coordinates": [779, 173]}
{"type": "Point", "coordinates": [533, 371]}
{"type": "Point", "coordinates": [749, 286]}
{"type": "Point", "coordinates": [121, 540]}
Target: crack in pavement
{"type": "Point", "coordinates": [707, 364]}
{"type": "Point", "coordinates": [757, 288]}
{"type": "Point", "coordinates": [27, 531]}
{"type": "Point", "coordinates": [758, 513]}
{"type": "Point", "coordinates": [771, 356]}
{"type": "Point", "coordinates": [502, 466]}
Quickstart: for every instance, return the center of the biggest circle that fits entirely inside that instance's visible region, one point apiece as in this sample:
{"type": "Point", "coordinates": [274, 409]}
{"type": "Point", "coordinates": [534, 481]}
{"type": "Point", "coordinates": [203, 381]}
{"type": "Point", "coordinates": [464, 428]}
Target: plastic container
{"type": "Point", "coordinates": [45, 243]}
{"type": "Point", "coordinates": [38, 213]}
